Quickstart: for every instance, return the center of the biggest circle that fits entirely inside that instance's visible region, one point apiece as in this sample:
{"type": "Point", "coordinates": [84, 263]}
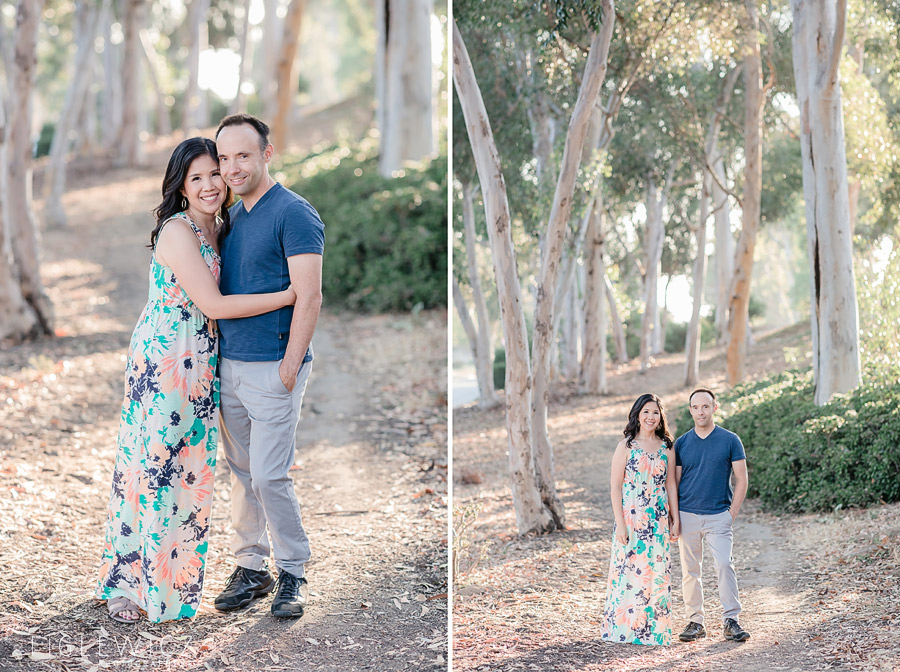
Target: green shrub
{"type": "Point", "coordinates": [676, 334]}
{"type": "Point", "coordinates": [385, 239]}
{"type": "Point", "coordinates": [807, 458]}
{"type": "Point", "coordinates": [500, 368]}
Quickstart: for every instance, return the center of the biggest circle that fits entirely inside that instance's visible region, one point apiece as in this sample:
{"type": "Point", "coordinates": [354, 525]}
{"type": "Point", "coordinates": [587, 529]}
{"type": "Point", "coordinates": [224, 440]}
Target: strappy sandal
{"type": "Point", "coordinates": [117, 605]}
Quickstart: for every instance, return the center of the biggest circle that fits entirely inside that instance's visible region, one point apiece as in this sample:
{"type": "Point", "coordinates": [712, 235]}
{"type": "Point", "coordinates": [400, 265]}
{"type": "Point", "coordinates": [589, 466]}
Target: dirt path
{"type": "Point", "coordinates": [535, 603]}
{"type": "Point", "coordinates": [370, 474]}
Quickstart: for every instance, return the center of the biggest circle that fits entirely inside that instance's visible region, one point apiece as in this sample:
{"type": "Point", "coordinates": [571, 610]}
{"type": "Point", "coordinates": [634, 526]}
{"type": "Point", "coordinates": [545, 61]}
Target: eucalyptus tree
{"type": "Point", "coordinates": [22, 229]}
{"type": "Point", "coordinates": [819, 30]}
{"type": "Point", "coordinates": [538, 448]}
{"type": "Point", "coordinates": [403, 82]}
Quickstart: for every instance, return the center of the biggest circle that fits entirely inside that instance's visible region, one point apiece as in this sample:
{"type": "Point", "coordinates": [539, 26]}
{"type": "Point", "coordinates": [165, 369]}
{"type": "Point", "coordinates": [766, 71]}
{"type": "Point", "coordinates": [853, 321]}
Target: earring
{"type": "Point", "coordinates": [184, 204]}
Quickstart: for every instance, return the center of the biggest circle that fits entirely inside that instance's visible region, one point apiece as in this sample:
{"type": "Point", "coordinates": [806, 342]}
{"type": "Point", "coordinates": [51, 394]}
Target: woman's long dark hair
{"type": "Point", "coordinates": [173, 182]}
{"type": "Point", "coordinates": [634, 415]}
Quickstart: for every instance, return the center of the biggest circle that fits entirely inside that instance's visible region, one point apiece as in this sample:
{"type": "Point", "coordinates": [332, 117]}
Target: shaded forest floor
{"type": "Point", "coordinates": [370, 471]}
{"type": "Point", "coordinates": [818, 591]}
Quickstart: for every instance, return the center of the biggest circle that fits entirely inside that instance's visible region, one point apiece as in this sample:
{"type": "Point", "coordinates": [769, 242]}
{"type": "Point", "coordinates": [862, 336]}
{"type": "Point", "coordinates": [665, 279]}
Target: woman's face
{"type": "Point", "coordinates": [649, 416]}
{"type": "Point", "coordinates": [203, 186]}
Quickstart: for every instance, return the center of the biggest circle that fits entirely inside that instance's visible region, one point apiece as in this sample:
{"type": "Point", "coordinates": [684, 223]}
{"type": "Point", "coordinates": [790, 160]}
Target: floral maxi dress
{"type": "Point", "coordinates": [638, 593]}
{"type": "Point", "coordinates": [159, 506]}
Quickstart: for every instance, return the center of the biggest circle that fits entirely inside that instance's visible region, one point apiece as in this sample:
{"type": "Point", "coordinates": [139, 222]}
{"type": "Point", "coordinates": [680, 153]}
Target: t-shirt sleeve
{"type": "Point", "coordinates": [303, 231]}
{"type": "Point", "coordinates": [678, 452]}
{"type": "Point", "coordinates": [737, 449]}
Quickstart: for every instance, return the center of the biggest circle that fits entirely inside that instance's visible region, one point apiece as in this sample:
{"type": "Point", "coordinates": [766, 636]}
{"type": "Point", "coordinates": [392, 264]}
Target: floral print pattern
{"type": "Point", "coordinates": [159, 505]}
{"type": "Point", "coordinates": [638, 592]}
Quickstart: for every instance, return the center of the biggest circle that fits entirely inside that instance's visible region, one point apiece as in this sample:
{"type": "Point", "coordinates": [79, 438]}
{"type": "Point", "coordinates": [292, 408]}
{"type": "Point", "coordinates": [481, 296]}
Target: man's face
{"type": "Point", "coordinates": [702, 409]}
{"type": "Point", "coordinates": [243, 164]}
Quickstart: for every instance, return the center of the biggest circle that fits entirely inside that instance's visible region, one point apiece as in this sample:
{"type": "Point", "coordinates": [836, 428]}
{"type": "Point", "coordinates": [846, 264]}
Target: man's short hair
{"type": "Point", "coordinates": [239, 119]}
{"type": "Point", "coordinates": [698, 391]}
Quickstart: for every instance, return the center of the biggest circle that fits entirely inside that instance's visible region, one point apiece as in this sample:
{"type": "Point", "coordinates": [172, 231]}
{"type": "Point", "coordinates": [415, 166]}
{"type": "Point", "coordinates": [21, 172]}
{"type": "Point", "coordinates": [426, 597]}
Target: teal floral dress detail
{"type": "Point", "coordinates": [159, 506]}
{"type": "Point", "coordinates": [639, 593]}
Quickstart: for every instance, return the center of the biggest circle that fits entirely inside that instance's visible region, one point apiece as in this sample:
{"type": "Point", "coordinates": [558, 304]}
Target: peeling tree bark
{"type": "Point", "coordinates": [819, 30]}
{"type": "Point", "coordinates": [531, 514]}
{"type": "Point", "coordinates": [403, 82]}
{"type": "Point", "coordinates": [17, 320]}
{"type": "Point", "coordinates": [23, 226]}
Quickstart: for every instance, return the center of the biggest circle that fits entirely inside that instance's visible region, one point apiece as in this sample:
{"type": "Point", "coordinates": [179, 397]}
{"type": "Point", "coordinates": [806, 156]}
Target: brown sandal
{"type": "Point", "coordinates": [117, 605]}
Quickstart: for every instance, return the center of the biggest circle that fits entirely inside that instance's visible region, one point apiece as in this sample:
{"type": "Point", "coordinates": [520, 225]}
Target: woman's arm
{"type": "Point", "coordinates": [672, 494]}
{"type": "Point", "coordinates": [179, 249]}
{"type": "Point", "coordinates": [616, 481]}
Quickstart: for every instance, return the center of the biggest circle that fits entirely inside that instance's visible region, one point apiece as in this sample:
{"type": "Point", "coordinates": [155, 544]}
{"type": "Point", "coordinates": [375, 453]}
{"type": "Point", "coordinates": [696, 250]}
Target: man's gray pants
{"type": "Point", "coordinates": [717, 529]}
{"type": "Point", "coordinates": [259, 424]}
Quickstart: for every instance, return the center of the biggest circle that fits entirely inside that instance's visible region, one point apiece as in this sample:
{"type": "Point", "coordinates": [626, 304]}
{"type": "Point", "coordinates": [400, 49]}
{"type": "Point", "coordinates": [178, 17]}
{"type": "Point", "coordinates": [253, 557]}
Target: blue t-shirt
{"type": "Point", "coordinates": [254, 261]}
{"type": "Point", "coordinates": [705, 486]}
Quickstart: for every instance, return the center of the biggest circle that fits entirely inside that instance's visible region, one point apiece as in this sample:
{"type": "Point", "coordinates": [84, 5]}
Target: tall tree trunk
{"type": "Point", "coordinates": [618, 329]}
{"type": "Point", "coordinates": [111, 128]}
{"type": "Point", "coordinates": [482, 348]}
{"type": "Point", "coordinates": [571, 324]}
{"type": "Point", "coordinates": [819, 30]}
{"type": "Point", "coordinates": [593, 363]}
{"type": "Point", "coordinates": [23, 227]}
{"type": "Point", "coordinates": [155, 67]}
{"type": "Point", "coordinates": [594, 73]}
{"type": "Point", "coordinates": [714, 171]}
{"type": "Point", "coordinates": [287, 79]}
{"type": "Point", "coordinates": [193, 115]}
{"type": "Point", "coordinates": [724, 250]}
{"type": "Point", "coordinates": [403, 73]}
{"type": "Point", "coordinates": [656, 205]}
{"type": "Point", "coordinates": [271, 45]}
{"type": "Point", "coordinates": [531, 514]}
{"type": "Point", "coordinates": [692, 339]}
{"type": "Point", "coordinates": [739, 304]}
{"type": "Point", "coordinates": [238, 105]}
{"type": "Point", "coordinates": [17, 320]}
{"type": "Point", "coordinates": [54, 214]}
{"type": "Point", "coordinates": [129, 145]}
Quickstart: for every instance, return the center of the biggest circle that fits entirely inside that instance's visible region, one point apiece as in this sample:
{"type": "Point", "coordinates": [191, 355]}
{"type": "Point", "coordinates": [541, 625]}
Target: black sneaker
{"type": "Point", "coordinates": [692, 632]}
{"type": "Point", "coordinates": [291, 594]}
{"type": "Point", "coordinates": [735, 632]}
{"type": "Point", "coordinates": [242, 587]}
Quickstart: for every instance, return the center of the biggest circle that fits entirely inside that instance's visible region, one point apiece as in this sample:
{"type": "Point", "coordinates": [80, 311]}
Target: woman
{"type": "Point", "coordinates": [645, 503]}
{"type": "Point", "coordinates": [159, 507]}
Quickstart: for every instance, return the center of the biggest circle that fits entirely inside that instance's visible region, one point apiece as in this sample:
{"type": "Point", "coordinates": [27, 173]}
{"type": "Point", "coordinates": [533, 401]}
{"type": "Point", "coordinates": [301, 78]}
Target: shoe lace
{"type": "Point", "coordinates": [287, 584]}
{"type": "Point", "coordinates": [237, 575]}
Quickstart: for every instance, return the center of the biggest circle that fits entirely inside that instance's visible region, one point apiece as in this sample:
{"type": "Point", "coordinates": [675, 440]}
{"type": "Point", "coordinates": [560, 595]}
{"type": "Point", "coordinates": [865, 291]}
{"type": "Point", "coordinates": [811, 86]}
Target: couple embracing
{"type": "Point", "coordinates": [663, 489]}
{"type": "Point", "coordinates": [245, 283]}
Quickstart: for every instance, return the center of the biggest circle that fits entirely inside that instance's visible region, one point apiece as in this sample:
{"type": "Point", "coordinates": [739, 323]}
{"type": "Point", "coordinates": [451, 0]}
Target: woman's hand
{"type": "Point", "coordinates": [290, 297]}
{"type": "Point", "coordinates": [621, 534]}
{"type": "Point", "coordinates": [674, 529]}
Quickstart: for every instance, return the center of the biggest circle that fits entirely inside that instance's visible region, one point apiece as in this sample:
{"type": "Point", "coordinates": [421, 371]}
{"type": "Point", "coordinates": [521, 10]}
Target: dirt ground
{"type": "Point", "coordinates": [818, 592]}
{"type": "Point", "coordinates": [370, 473]}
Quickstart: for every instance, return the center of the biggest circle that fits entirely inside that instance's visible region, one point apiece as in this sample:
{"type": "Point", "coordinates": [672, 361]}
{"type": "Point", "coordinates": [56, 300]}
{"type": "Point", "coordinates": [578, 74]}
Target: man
{"type": "Point", "coordinates": [705, 459]}
{"type": "Point", "coordinates": [277, 240]}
